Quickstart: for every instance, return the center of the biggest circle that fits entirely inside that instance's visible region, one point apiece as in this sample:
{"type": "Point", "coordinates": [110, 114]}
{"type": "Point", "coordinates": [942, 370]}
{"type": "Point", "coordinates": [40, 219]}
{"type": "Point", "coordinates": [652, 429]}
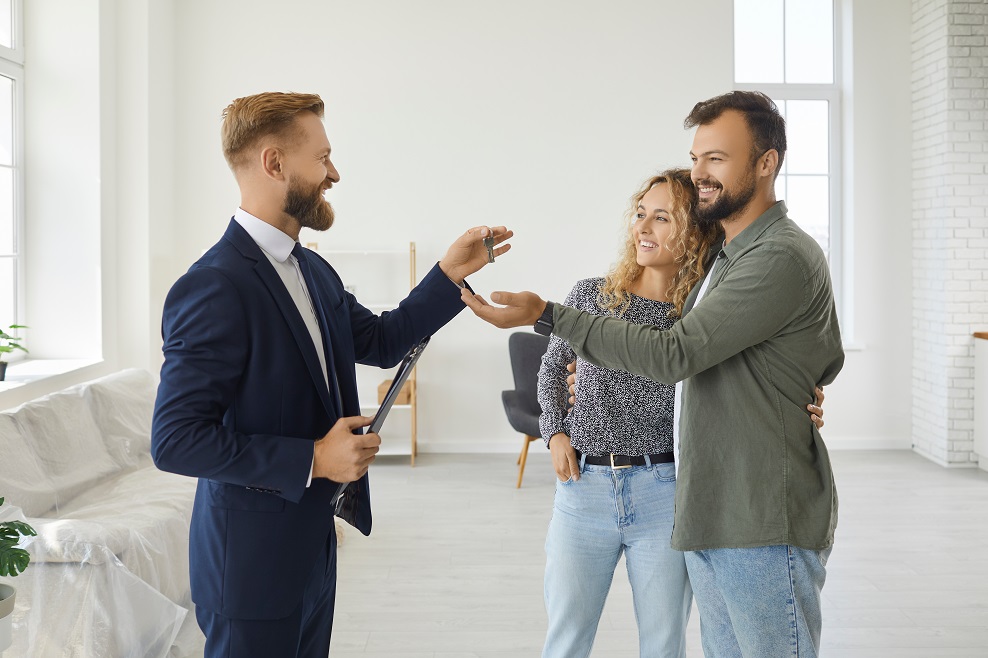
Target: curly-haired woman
{"type": "Point", "coordinates": [600, 511]}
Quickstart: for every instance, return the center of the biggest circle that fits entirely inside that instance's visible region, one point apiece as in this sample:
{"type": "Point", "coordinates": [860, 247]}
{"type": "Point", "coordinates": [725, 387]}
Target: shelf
{"type": "Point", "coordinates": [383, 282]}
{"type": "Point", "coordinates": [369, 252]}
{"type": "Point", "coordinates": [387, 450]}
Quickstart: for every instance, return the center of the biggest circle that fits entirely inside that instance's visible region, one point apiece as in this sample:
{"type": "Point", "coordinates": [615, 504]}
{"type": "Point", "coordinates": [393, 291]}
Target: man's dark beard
{"type": "Point", "coordinates": [309, 208]}
{"type": "Point", "coordinates": [727, 204]}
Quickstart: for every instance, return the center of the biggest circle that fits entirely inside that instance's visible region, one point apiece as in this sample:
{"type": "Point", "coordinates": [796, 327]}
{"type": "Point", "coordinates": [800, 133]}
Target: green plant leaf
{"type": "Point", "coordinates": [21, 528]}
{"type": "Point", "coordinates": [13, 561]}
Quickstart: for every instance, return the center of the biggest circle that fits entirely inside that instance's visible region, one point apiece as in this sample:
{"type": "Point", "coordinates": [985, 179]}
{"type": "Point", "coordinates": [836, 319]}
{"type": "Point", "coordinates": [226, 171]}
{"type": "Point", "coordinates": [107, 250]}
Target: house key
{"type": "Point", "coordinates": [489, 243]}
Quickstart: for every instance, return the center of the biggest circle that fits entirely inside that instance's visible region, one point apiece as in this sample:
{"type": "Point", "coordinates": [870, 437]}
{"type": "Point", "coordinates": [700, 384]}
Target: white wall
{"type": "Point", "coordinates": [444, 115]}
{"type": "Point", "coordinates": [950, 223]}
{"type": "Point", "coordinates": [544, 116]}
{"type": "Point", "coordinates": [869, 404]}
{"type": "Point", "coordinates": [141, 102]}
{"type": "Point", "coordinates": [63, 186]}
{"type": "Point", "coordinates": [100, 167]}
{"type": "Point", "coordinates": [71, 247]}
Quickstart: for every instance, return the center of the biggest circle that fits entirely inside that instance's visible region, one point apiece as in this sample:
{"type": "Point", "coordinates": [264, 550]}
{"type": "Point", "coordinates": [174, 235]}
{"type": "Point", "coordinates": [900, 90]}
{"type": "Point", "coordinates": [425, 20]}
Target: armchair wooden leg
{"type": "Point", "coordinates": [523, 457]}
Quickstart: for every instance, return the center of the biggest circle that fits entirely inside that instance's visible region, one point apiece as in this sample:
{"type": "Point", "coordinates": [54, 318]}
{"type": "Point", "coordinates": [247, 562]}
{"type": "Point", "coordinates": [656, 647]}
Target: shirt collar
{"type": "Point", "coordinates": [273, 241]}
{"type": "Point", "coordinates": [754, 230]}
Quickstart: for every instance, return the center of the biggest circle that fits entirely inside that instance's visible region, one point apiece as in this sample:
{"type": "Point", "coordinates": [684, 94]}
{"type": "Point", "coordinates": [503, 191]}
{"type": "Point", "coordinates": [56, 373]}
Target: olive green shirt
{"type": "Point", "coordinates": [753, 469]}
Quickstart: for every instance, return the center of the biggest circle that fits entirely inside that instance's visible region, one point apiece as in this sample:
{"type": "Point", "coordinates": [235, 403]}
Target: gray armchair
{"type": "Point", "coordinates": [522, 405]}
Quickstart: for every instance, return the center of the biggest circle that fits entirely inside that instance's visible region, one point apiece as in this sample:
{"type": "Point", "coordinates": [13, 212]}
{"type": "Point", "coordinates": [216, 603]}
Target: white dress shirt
{"type": "Point", "coordinates": [277, 246]}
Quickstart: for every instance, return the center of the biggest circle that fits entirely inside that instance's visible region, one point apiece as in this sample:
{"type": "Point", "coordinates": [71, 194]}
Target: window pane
{"type": "Point", "coordinates": [810, 41]}
{"type": "Point", "coordinates": [6, 23]}
{"type": "Point", "coordinates": [758, 41]}
{"type": "Point", "coordinates": [6, 211]}
{"type": "Point", "coordinates": [808, 135]}
{"type": "Point", "coordinates": [780, 187]}
{"type": "Point", "coordinates": [6, 120]}
{"type": "Point", "coordinates": [808, 201]}
{"type": "Point", "coordinates": [7, 311]}
{"type": "Point", "coordinates": [783, 110]}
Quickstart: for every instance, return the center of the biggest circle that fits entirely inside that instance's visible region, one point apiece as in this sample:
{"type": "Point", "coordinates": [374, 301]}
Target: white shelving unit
{"type": "Point", "coordinates": [377, 278]}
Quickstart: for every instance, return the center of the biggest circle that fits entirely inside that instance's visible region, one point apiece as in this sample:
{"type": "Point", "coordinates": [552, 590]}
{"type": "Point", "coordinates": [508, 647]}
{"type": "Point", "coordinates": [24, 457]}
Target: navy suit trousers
{"type": "Point", "coordinates": [303, 634]}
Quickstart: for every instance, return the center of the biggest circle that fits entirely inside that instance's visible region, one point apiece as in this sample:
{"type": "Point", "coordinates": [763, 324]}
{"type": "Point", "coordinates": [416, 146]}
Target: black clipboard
{"type": "Point", "coordinates": [404, 370]}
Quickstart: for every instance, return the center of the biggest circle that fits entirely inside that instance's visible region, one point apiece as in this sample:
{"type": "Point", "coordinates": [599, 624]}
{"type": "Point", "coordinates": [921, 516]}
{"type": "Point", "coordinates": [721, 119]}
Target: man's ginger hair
{"type": "Point", "coordinates": [247, 120]}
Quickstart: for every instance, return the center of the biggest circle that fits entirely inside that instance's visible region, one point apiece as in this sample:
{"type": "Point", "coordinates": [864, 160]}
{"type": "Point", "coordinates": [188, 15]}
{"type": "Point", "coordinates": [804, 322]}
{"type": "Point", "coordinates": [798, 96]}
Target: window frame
{"type": "Point", "coordinates": [12, 66]}
{"type": "Point", "coordinates": [799, 91]}
{"type": "Point", "coordinates": [15, 54]}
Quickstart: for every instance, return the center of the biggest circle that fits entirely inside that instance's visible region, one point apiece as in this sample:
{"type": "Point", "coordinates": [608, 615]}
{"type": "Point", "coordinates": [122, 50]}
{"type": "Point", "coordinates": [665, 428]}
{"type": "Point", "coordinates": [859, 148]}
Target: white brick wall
{"type": "Point", "coordinates": [949, 220]}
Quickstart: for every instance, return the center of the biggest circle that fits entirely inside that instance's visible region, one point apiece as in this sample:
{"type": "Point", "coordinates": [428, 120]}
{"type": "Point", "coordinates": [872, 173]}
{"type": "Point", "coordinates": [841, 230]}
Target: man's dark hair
{"type": "Point", "coordinates": [768, 128]}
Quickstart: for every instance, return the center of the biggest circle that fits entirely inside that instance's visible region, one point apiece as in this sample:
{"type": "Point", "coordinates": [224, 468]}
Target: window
{"type": "Point", "coordinates": [11, 159]}
{"type": "Point", "coordinates": [788, 50]}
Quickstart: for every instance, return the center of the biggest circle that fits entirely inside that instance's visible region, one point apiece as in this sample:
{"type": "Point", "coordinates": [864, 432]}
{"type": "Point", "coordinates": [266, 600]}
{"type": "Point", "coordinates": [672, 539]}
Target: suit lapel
{"type": "Point", "coordinates": [329, 331]}
{"type": "Point", "coordinates": [299, 331]}
{"type": "Point", "coordinates": [276, 287]}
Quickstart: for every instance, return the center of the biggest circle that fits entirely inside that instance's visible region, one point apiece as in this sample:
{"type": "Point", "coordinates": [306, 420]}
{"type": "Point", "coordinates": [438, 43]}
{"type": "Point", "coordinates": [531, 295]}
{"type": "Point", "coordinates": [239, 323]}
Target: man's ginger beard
{"type": "Point", "coordinates": [308, 206]}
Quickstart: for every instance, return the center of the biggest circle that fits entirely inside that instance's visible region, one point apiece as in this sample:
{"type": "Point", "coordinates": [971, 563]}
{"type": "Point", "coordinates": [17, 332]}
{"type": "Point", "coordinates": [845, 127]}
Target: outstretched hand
{"type": "Point", "coordinates": [520, 308]}
{"type": "Point", "coordinates": [468, 254]}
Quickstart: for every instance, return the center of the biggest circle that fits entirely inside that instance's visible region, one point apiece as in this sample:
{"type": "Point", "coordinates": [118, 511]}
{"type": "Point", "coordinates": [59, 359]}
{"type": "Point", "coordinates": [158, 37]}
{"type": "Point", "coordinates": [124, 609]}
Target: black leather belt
{"type": "Point", "coordinates": [627, 461]}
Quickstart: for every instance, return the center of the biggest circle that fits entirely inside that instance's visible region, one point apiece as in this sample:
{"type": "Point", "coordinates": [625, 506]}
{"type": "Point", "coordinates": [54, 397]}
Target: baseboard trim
{"type": "Point", "coordinates": [505, 446]}
{"type": "Point", "coordinates": [866, 443]}
{"type": "Point", "coordinates": [499, 447]}
{"type": "Point", "coordinates": [940, 462]}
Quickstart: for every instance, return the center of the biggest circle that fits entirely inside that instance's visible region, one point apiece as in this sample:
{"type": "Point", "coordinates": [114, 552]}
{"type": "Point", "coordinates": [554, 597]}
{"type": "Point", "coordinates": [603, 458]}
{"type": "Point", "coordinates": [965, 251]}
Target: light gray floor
{"type": "Point", "coordinates": [454, 565]}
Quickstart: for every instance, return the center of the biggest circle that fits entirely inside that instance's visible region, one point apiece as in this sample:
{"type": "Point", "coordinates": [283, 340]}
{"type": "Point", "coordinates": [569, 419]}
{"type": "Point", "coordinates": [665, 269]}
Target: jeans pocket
{"type": "Point", "coordinates": [664, 472]}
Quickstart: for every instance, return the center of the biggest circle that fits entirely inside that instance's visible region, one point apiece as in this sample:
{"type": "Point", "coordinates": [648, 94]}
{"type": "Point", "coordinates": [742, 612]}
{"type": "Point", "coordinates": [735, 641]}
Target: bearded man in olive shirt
{"type": "Point", "coordinates": [756, 505]}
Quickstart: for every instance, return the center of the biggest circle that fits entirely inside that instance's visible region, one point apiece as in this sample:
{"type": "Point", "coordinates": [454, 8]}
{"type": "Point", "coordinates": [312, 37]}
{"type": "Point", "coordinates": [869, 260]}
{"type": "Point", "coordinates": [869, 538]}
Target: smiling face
{"type": "Point", "coordinates": [724, 169]}
{"type": "Point", "coordinates": [310, 174]}
{"type": "Point", "coordinates": [654, 229]}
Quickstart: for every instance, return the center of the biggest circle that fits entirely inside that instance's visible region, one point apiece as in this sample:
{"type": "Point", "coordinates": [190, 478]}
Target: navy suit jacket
{"type": "Point", "coordinates": [242, 398]}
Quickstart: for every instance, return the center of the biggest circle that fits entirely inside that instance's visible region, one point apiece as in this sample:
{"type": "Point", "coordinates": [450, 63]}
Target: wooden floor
{"type": "Point", "coordinates": [453, 568]}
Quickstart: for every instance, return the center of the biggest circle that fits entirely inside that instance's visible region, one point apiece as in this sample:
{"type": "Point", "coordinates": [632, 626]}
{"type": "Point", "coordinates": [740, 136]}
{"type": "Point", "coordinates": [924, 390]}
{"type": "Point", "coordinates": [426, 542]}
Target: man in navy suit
{"type": "Point", "coordinates": [258, 394]}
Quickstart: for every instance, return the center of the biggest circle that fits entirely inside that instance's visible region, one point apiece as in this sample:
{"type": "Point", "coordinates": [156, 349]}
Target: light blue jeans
{"type": "Point", "coordinates": [595, 519]}
{"type": "Point", "coordinates": [756, 602]}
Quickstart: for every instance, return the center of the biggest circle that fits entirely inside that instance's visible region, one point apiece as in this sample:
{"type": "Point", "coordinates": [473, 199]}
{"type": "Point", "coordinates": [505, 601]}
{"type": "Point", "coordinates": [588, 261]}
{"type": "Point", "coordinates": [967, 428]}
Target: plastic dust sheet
{"type": "Point", "coordinates": [109, 573]}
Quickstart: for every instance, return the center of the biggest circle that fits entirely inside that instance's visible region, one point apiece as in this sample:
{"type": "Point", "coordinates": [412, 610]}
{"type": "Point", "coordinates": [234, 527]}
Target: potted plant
{"type": "Point", "coordinates": [8, 344]}
{"type": "Point", "coordinates": [13, 561]}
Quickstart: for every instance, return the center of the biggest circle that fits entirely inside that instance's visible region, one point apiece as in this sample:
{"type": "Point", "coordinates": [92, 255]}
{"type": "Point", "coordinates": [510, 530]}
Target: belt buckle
{"type": "Point", "coordinates": [617, 468]}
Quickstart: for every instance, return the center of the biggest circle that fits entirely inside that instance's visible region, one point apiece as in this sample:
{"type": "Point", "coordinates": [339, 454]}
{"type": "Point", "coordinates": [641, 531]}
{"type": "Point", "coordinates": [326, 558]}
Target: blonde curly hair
{"type": "Point", "coordinates": [691, 243]}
